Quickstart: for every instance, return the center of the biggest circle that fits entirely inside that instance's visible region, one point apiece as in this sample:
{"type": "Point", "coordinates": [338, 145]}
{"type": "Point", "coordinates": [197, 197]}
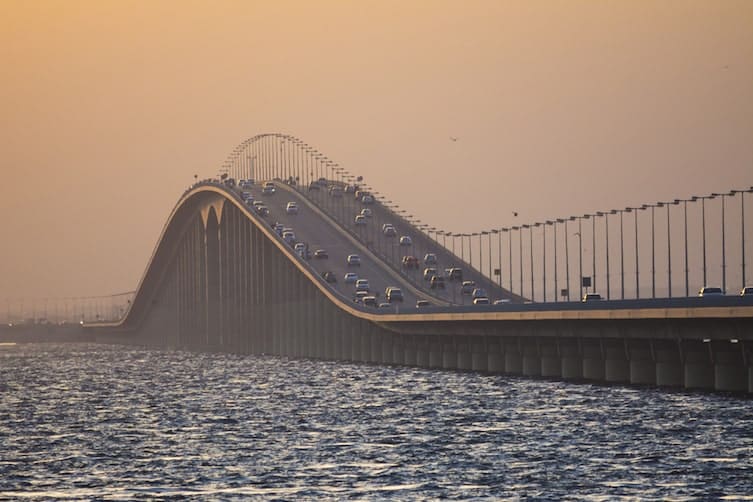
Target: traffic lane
{"type": "Point", "coordinates": [422, 244]}
{"type": "Point", "coordinates": [310, 228]}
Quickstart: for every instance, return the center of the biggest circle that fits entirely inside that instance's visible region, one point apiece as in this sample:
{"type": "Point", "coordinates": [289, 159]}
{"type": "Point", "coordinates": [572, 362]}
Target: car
{"type": "Point", "coordinates": [394, 295]}
{"type": "Point", "coordinates": [366, 212]}
{"type": "Point", "coordinates": [406, 241]}
{"type": "Point", "coordinates": [353, 260]}
{"type": "Point", "coordinates": [279, 228]}
{"type": "Point", "coordinates": [258, 203]}
{"type": "Point", "coordinates": [429, 272]}
{"type": "Point", "coordinates": [367, 199]}
{"type": "Point", "coordinates": [314, 186]}
{"type": "Point", "coordinates": [430, 259]}
{"type": "Point", "coordinates": [410, 262]}
{"type": "Point", "coordinates": [246, 195]}
{"type": "Point", "coordinates": [370, 301]}
{"type": "Point", "coordinates": [329, 277]}
{"type": "Point", "coordinates": [436, 282]}
{"type": "Point", "coordinates": [358, 194]}
{"type": "Point", "coordinates": [479, 293]}
{"type": "Point", "coordinates": [360, 295]}
{"type": "Point", "coordinates": [389, 231]}
{"type": "Point", "coordinates": [481, 300]}
{"type": "Point", "coordinates": [591, 297]}
{"type": "Point", "coordinates": [747, 291]}
{"type": "Point", "coordinates": [300, 249]}
{"type": "Point", "coordinates": [502, 301]}
{"type": "Point", "coordinates": [455, 274]}
{"type": "Point", "coordinates": [269, 188]}
{"type": "Point", "coordinates": [350, 188]}
{"type": "Point", "coordinates": [422, 303]}
{"type": "Point", "coordinates": [262, 209]}
{"type": "Point", "coordinates": [250, 201]}
{"type": "Point", "coordinates": [350, 278]}
{"type": "Point", "coordinates": [384, 305]}
{"type": "Point", "coordinates": [288, 237]}
{"type": "Point", "coordinates": [291, 208]}
{"type": "Point", "coordinates": [336, 192]}
{"type": "Point", "coordinates": [360, 219]}
{"type": "Point", "coordinates": [710, 291]}
{"type": "Point", "coordinates": [467, 287]}
{"type": "Point", "coordinates": [321, 254]}
{"type": "Point", "coordinates": [362, 285]}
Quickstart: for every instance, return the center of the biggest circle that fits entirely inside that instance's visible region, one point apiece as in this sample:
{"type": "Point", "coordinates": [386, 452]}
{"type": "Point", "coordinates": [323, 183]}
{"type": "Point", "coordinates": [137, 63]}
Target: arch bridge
{"type": "Point", "coordinates": [225, 276]}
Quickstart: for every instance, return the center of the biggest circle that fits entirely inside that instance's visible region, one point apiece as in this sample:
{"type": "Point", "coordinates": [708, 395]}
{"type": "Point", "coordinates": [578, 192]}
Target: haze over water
{"type": "Point", "coordinates": [117, 423]}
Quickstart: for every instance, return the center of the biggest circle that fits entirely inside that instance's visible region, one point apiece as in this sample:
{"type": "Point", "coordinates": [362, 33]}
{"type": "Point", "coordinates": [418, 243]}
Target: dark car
{"type": "Point", "coordinates": [437, 282]}
{"type": "Point", "coordinates": [329, 276]}
{"type": "Point", "coordinates": [321, 254]}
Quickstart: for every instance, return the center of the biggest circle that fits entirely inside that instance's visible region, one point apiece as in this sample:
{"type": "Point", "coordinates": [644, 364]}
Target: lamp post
{"type": "Point", "coordinates": [488, 238]}
{"type": "Point", "coordinates": [520, 242]}
{"type": "Point", "coordinates": [567, 259]}
{"type": "Point", "coordinates": [593, 251]}
{"type": "Point", "coordinates": [724, 255]}
{"type": "Point", "coordinates": [554, 225]}
{"type": "Point", "coordinates": [653, 250]}
{"type": "Point", "coordinates": [742, 224]}
{"type": "Point", "coordinates": [703, 232]}
{"type": "Point", "coordinates": [509, 240]}
{"type": "Point", "coordinates": [530, 234]}
{"type": "Point", "coordinates": [579, 233]}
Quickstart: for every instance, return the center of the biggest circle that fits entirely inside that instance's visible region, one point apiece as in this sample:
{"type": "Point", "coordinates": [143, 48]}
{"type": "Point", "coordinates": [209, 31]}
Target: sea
{"type": "Point", "coordinates": [105, 422]}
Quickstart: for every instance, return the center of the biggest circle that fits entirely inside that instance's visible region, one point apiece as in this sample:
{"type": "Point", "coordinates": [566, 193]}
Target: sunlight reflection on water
{"type": "Point", "coordinates": [88, 421]}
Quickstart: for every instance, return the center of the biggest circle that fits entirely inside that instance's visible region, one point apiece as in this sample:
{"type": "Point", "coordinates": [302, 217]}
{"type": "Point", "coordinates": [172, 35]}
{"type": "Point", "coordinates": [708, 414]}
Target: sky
{"type": "Point", "coordinates": [559, 107]}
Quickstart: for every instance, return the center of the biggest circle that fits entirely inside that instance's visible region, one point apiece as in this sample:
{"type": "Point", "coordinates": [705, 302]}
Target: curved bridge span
{"type": "Point", "coordinates": [222, 278]}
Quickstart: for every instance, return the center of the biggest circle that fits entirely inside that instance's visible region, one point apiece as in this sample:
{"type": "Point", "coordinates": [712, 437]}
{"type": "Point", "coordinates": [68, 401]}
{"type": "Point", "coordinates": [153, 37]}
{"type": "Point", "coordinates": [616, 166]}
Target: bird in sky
{"type": "Point", "coordinates": [452, 138]}
{"type": "Point", "coordinates": [515, 213]}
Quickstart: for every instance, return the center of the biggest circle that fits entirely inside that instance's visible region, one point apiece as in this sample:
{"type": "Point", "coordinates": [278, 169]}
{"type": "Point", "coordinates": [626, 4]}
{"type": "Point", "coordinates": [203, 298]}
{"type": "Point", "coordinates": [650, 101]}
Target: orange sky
{"type": "Point", "coordinates": [561, 107]}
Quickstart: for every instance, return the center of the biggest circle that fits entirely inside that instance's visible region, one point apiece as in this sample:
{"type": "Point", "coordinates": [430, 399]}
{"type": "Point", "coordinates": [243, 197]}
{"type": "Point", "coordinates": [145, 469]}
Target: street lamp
{"type": "Point", "coordinates": [579, 233]}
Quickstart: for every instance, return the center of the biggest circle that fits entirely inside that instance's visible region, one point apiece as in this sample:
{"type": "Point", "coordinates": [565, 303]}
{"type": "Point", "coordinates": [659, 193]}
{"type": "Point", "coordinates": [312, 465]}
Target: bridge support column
{"type": "Point", "coordinates": [668, 365]}
{"type": "Point", "coordinates": [642, 365]}
{"type": "Point", "coordinates": [551, 361]}
{"type": "Point", "coordinates": [513, 357]}
{"type": "Point", "coordinates": [410, 356]}
{"type": "Point", "coordinates": [479, 357]}
{"type": "Point", "coordinates": [616, 364]}
{"type": "Point", "coordinates": [398, 350]}
{"type": "Point", "coordinates": [387, 349]}
{"type": "Point", "coordinates": [435, 352]}
{"type": "Point", "coordinates": [594, 366]}
{"type": "Point", "coordinates": [465, 355]}
{"type": "Point", "coordinates": [730, 372]}
{"type": "Point", "coordinates": [495, 359]}
{"type": "Point", "coordinates": [698, 369]}
{"type": "Point", "coordinates": [571, 360]}
{"type": "Point", "coordinates": [449, 354]}
{"type": "Point", "coordinates": [531, 358]}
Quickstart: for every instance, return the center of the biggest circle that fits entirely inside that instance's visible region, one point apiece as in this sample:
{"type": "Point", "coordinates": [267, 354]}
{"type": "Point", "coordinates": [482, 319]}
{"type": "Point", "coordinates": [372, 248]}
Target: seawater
{"type": "Point", "coordinates": [121, 423]}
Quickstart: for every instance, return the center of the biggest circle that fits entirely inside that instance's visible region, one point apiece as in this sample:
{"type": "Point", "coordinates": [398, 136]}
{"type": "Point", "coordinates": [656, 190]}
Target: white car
{"type": "Point", "coordinates": [291, 208]}
{"type": "Point", "coordinates": [354, 260]}
{"type": "Point", "coordinates": [360, 220]}
{"type": "Point", "coordinates": [367, 199]}
{"type": "Point", "coordinates": [406, 241]}
{"type": "Point", "coordinates": [366, 212]}
{"type": "Point", "coordinates": [350, 278]}
{"type": "Point", "coordinates": [481, 300]}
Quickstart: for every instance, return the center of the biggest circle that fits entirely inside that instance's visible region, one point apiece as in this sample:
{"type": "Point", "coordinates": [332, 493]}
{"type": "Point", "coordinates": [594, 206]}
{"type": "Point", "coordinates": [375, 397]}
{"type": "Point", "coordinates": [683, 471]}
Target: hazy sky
{"type": "Point", "coordinates": [561, 107]}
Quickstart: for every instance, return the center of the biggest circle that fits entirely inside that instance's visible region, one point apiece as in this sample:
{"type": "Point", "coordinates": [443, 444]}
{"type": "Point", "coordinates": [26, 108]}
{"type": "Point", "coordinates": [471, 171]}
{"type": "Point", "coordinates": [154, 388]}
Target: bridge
{"type": "Point", "coordinates": [226, 275]}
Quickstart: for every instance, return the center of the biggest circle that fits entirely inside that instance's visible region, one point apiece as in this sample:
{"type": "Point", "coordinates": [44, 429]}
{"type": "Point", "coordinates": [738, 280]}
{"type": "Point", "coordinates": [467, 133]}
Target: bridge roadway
{"type": "Point", "coordinates": [312, 228]}
{"type": "Point", "coordinates": [345, 209]}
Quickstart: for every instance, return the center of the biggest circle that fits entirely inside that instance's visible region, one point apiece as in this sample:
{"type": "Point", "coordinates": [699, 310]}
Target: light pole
{"type": "Point", "coordinates": [742, 224]}
{"type": "Point", "coordinates": [509, 241]}
{"type": "Point", "coordinates": [653, 250]}
{"type": "Point", "coordinates": [567, 259]}
{"type": "Point", "coordinates": [724, 255]}
{"type": "Point", "coordinates": [580, 254]}
{"type": "Point", "coordinates": [530, 234]}
{"type": "Point", "coordinates": [554, 225]}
